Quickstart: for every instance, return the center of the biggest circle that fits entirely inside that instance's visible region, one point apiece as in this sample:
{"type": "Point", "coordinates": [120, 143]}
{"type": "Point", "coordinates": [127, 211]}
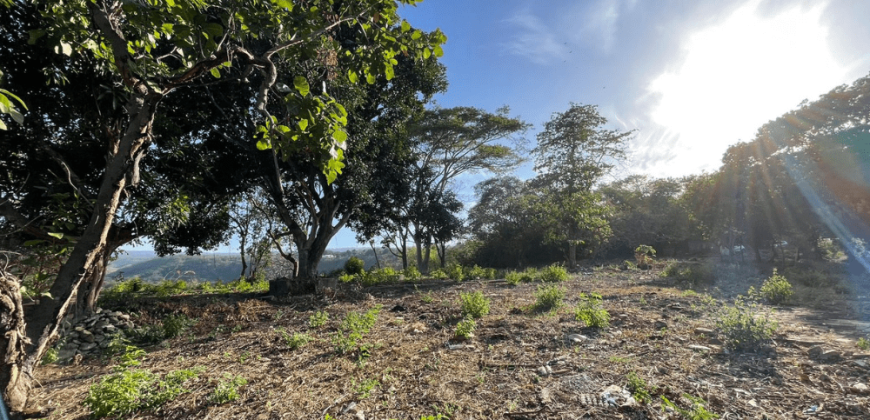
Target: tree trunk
{"type": "Point", "coordinates": [428, 254]}
{"type": "Point", "coordinates": [377, 260]}
{"type": "Point", "coordinates": [242, 254]}
{"type": "Point", "coordinates": [43, 322]}
{"type": "Point", "coordinates": [15, 381]}
{"type": "Point", "coordinates": [572, 254]}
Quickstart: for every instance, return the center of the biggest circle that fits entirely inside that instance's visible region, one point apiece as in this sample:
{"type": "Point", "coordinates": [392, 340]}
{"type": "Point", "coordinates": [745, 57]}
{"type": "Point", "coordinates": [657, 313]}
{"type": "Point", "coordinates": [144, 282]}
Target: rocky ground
{"type": "Point", "coordinates": [520, 364]}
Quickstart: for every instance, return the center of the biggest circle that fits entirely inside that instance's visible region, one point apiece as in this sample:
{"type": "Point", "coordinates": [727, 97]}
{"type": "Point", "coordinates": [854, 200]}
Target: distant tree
{"type": "Point", "coordinates": [573, 153]}
{"type": "Point", "coordinates": [450, 142]}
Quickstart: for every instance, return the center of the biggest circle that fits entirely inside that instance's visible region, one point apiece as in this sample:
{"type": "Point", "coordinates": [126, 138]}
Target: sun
{"type": "Point", "coordinates": [737, 75]}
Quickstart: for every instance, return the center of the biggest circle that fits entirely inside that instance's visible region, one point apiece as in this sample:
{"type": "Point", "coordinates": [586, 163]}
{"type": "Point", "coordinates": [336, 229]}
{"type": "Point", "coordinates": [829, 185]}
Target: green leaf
{"type": "Point", "coordinates": [405, 26]}
{"type": "Point", "coordinates": [351, 75]}
{"type": "Point", "coordinates": [339, 135]}
{"type": "Point", "coordinates": [213, 29]}
{"type": "Point", "coordinates": [170, 3]}
{"type": "Point", "coordinates": [2, 125]}
{"type": "Point", "coordinates": [66, 48]}
{"type": "Point", "coordinates": [57, 235]}
{"type": "Point", "coordinates": [389, 72]}
{"type": "Point", "coordinates": [303, 124]}
{"type": "Point", "coordinates": [426, 53]}
{"type": "Point", "coordinates": [216, 73]}
{"type": "Point", "coordinates": [283, 129]}
{"type": "Point", "coordinates": [301, 85]}
{"type": "Point", "coordinates": [33, 242]}
{"type": "Point", "coordinates": [438, 51]}
{"type": "Point", "coordinates": [416, 35]}
{"type": "Point", "coordinates": [35, 35]}
{"type": "Point", "coordinates": [287, 4]}
{"type": "Point", "coordinates": [370, 78]}
{"type": "Point", "coordinates": [16, 116]}
{"type": "Point", "coordinates": [263, 145]}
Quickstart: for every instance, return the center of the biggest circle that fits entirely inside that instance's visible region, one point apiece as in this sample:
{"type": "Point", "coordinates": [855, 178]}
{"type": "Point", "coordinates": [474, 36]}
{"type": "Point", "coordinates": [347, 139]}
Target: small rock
{"type": "Point", "coordinates": [105, 344]}
{"type": "Point", "coordinates": [125, 317]}
{"type": "Point", "coordinates": [577, 338]}
{"type": "Point", "coordinates": [348, 407]}
{"type": "Point", "coordinates": [815, 351]}
{"type": "Point", "coordinates": [79, 328]}
{"type": "Point", "coordinates": [660, 324]}
{"type": "Point", "coordinates": [87, 336]}
{"type": "Point", "coordinates": [88, 347]}
{"type": "Point", "coordinates": [860, 363]}
{"type": "Point", "coordinates": [360, 415]}
{"type": "Point", "coordinates": [705, 331]}
{"type": "Point", "coordinates": [65, 354]}
{"type": "Point", "coordinates": [544, 371]}
{"type": "Point", "coordinates": [699, 348]}
{"type": "Point", "coordinates": [110, 329]}
{"type": "Point", "coordinates": [831, 356]}
{"type": "Point", "coordinates": [859, 388]}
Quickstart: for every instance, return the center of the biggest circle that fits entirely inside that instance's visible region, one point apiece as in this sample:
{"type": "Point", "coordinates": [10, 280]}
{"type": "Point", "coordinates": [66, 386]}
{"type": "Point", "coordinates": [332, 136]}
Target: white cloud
{"type": "Point", "coordinates": [735, 76]}
{"type": "Point", "coordinates": [535, 40]}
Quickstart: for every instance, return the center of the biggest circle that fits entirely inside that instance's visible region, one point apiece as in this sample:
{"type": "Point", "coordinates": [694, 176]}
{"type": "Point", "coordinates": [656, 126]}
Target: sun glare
{"type": "Point", "coordinates": [736, 76]}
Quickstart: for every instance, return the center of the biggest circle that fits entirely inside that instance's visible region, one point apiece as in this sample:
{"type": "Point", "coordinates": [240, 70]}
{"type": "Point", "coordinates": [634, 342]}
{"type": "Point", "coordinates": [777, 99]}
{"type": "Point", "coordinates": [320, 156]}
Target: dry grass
{"type": "Point", "coordinates": [493, 376]}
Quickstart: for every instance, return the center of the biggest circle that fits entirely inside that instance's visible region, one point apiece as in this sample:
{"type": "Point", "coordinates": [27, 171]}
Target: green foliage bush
{"type": "Point", "coordinates": [696, 412]}
{"type": "Point", "coordinates": [744, 326]}
{"type": "Point", "coordinates": [644, 255]}
{"type": "Point", "coordinates": [297, 340]}
{"type": "Point", "coordinates": [439, 274]}
{"type": "Point", "coordinates": [590, 311]}
{"type": "Point", "coordinates": [474, 305]}
{"type": "Point", "coordinates": [130, 390]}
{"type": "Point", "coordinates": [50, 356]}
{"type": "Point", "coordinates": [174, 325]}
{"type": "Point", "coordinates": [549, 297]}
{"type": "Point", "coordinates": [695, 274]}
{"type": "Point", "coordinates": [227, 389]}
{"type": "Point", "coordinates": [346, 278]}
{"type": "Point", "coordinates": [529, 275]}
{"type": "Point", "coordinates": [318, 319]}
{"type": "Point", "coordinates": [863, 344]}
{"type": "Point", "coordinates": [377, 276]}
{"type": "Point", "coordinates": [465, 328]}
{"type": "Point", "coordinates": [554, 273]}
{"type": "Point", "coordinates": [352, 328]}
{"type": "Point", "coordinates": [513, 278]}
{"type": "Point", "coordinates": [776, 289]}
{"type": "Point", "coordinates": [412, 273]}
{"type": "Point", "coordinates": [354, 265]}
{"type": "Point", "coordinates": [638, 388]}
{"type": "Point", "coordinates": [455, 272]}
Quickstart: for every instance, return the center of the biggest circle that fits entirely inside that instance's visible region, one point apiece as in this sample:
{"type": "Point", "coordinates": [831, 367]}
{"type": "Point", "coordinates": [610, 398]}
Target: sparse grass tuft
{"type": "Point", "coordinates": [227, 389]}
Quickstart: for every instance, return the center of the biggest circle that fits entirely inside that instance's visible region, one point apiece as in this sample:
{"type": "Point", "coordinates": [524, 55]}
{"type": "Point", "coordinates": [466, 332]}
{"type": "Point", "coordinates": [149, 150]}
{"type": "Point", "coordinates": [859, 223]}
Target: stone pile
{"type": "Point", "coordinates": [93, 334]}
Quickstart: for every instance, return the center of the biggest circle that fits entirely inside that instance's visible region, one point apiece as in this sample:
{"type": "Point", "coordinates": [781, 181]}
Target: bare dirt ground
{"type": "Point", "coordinates": [519, 364]}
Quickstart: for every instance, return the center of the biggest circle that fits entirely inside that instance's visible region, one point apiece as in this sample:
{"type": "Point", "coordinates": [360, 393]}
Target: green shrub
{"type": "Point", "coordinates": [474, 273]}
{"type": "Point", "coordinates": [529, 275]}
{"type": "Point", "coordinates": [590, 311]}
{"type": "Point", "coordinates": [513, 278]}
{"type": "Point", "coordinates": [346, 278]}
{"type": "Point", "coordinates": [474, 304]}
{"type": "Point", "coordinates": [644, 255]}
{"type": "Point", "coordinates": [130, 390]}
{"type": "Point", "coordinates": [352, 328]}
{"type": "Point", "coordinates": [318, 319]}
{"type": "Point", "coordinates": [412, 273]}
{"type": "Point", "coordinates": [50, 356]}
{"type": "Point", "coordinates": [695, 274]}
{"type": "Point", "coordinates": [439, 274]}
{"type": "Point", "coordinates": [455, 272]}
{"type": "Point", "coordinates": [227, 389]}
{"type": "Point", "coordinates": [744, 327]}
{"type": "Point", "coordinates": [638, 388]}
{"type": "Point", "coordinates": [490, 273]}
{"type": "Point", "coordinates": [696, 412]}
{"type": "Point", "coordinates": [380, 276]}
{"type": "Point", "coordinates": [549, 297]}
{"type": "Point", "coordinates": [776, 289]}
{"type": "Point", "coordinates": [365, 388]}
{"type": "Point", "coordinates": [297, 340]}
{"type": "Point", "coordinates": [174, 325]}
{"type": "Point", "coordinates": [354, 265]}
{"type": "Point", "coordinates": [465, 328]}
{"type": "Point", "coordinates": [554, 273]}
{"type": "Point", "coordinates": [628, 265]}
{"type": "Point", "coordinates": [863, 344]}
{"type": "Point", "coordinates": [170, 288]}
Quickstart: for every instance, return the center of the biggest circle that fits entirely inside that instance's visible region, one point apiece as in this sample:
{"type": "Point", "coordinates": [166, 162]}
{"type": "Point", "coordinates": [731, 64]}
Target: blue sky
{"type": "Point", "coordinates": [691, 77]}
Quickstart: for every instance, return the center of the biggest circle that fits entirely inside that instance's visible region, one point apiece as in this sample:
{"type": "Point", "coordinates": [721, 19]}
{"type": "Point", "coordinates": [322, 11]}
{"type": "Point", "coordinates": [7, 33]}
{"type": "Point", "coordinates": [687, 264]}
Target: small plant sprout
{"type": "Point", "coordinates": [318, 319]}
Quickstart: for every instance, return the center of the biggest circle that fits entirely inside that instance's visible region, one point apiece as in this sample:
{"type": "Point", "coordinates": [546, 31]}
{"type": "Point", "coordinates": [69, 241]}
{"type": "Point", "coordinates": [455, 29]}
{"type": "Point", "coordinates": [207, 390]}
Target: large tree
{"type": "Point", "coordinates": [575, 151]}
{"type": "Point", "coordinates": [450, 142]}
{"type": "Point", "coordinates": [153, 50]}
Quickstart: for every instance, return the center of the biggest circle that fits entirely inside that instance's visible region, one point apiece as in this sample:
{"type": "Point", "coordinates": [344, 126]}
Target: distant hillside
{"type": "Point", "coordinates": [210, 267]}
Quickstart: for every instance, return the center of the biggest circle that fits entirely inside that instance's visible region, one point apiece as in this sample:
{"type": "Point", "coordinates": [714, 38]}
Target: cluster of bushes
{"type": "Point", "coordinates": [131, 389]}
{"type": "Point", "coordinates": [550, 274]}
{"type": "Point", "coordinates": [135, 287]}
{"type": "Point", "coordinates": [692, 273]}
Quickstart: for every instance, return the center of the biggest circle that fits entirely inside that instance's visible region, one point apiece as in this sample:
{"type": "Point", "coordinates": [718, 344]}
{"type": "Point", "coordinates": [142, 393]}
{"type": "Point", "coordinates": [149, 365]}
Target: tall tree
{"type": "Point", "coordinates": [151, 50]}
{"type": "Point", "coordinates": [574, 151]}
{"type": "Point", "coordinates": [451, 142]}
